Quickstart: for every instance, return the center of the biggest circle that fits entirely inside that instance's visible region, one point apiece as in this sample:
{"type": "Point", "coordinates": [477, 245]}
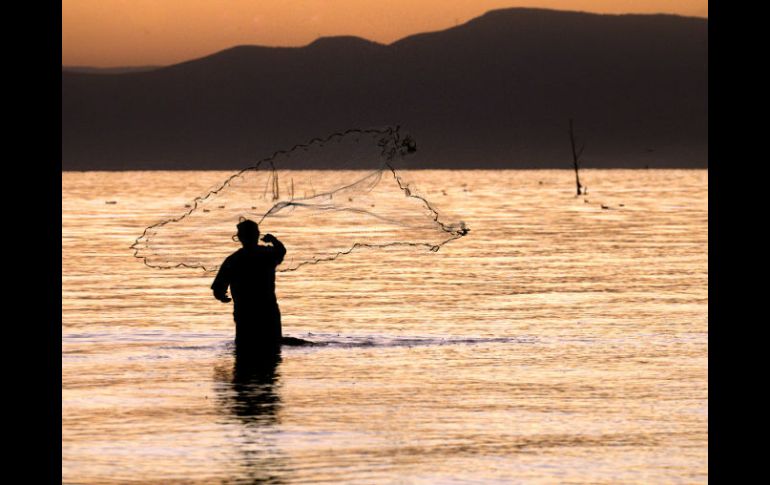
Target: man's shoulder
{"type": "Point", "coordinates": [234, 256]}
{"type": "Point", "coordinates": [247, 253]}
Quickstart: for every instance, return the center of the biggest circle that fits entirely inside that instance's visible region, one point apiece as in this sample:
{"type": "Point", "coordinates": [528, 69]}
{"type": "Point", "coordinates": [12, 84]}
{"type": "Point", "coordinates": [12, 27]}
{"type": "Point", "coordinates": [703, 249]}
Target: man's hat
{"type": "Point", "coordinates": [247, 229]}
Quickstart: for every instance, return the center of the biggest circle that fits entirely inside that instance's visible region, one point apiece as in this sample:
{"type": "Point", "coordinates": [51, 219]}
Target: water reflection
{"type": "Point", "coordinates": [254, 385]}
{"type": "Point", "coordinates": [249, 393]}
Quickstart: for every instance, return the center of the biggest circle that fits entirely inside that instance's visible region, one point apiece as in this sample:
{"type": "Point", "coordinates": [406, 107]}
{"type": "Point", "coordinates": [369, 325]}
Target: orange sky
{"type": "Point", "coordinates": [160, 32]}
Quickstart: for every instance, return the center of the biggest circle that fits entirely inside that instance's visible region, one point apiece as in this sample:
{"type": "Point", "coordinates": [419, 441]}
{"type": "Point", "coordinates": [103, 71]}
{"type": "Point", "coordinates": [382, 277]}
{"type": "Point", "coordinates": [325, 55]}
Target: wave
{"type": "Point", "coordinates": [344, 341]}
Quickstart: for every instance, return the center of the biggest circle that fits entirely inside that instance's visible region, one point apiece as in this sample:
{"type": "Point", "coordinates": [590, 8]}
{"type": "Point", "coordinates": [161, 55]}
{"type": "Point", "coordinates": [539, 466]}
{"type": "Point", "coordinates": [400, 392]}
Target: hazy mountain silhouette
{"type": "Point", "coordinates": [494, 92]}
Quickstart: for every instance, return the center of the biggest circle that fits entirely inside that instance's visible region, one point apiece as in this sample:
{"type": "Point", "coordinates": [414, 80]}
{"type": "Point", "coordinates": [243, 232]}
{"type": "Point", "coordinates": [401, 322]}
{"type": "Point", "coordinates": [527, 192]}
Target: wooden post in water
{"type": "Point", "coordinates": [576, 157]}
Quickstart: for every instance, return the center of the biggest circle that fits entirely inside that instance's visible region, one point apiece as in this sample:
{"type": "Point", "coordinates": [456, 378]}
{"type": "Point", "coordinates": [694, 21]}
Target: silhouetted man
{"type": "Point", "coordinates": [250, 274]}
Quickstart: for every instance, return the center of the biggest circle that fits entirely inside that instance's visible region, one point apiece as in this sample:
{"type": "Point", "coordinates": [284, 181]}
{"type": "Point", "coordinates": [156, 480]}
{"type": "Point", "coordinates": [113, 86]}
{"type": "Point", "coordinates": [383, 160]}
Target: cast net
{"type": "Point", "coordinates": [358, 201]}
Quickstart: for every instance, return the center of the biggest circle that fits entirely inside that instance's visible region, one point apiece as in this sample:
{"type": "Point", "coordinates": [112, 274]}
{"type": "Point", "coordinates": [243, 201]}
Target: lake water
{"type": "Point", "coordinates": [558, 342]}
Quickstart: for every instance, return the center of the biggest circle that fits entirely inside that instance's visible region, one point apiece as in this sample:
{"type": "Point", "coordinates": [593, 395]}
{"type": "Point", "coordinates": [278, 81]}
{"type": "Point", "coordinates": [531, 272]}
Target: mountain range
{"type": "Point", "coordinates": [495, 92]}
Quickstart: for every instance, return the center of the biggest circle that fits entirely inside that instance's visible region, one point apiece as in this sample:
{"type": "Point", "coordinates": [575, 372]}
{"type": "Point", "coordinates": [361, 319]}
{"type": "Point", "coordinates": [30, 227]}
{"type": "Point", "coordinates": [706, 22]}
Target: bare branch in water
{"type": "Point", "coordinates": [576, 157]}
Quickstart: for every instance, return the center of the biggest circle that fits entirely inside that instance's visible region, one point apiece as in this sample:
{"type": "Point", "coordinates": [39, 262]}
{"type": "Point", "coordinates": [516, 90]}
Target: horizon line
{"type": "Point", "coordinates": [156, 66]}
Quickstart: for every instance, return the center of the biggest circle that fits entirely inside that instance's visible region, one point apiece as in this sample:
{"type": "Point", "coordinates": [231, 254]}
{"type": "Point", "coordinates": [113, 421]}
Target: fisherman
{"type": "Point", "coordinates": [250, 275]}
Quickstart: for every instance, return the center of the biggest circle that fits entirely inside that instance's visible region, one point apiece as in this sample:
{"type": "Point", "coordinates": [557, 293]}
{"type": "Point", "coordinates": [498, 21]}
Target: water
{"type": "Point", "coordinates": [558, 342]}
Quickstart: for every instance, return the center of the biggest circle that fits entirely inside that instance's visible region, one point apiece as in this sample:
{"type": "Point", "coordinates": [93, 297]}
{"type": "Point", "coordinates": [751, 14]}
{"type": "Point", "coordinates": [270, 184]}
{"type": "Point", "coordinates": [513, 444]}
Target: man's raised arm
{"type": "Point", "coordinates": [280, 249]}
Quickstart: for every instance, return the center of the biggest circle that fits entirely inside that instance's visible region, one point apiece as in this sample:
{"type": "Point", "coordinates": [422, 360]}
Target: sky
{"type": "Point", "coordinates": [112, 33]}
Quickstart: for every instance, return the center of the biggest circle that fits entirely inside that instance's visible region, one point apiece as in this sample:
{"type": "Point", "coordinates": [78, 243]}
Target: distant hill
{"type": "Point", "coordinates": [495, 92]}
{"type": "Point", "coordinates": [108, 70]}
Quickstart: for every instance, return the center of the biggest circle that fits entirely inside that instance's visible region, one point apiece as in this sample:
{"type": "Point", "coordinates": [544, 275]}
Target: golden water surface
{"type": "Point", "coordinates": [558, 342]}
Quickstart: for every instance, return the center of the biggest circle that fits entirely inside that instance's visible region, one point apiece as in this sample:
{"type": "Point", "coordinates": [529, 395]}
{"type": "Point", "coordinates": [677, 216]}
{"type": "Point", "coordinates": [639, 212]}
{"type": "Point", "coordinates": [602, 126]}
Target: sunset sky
{"type": "Point", "coordinates": [107, 33]}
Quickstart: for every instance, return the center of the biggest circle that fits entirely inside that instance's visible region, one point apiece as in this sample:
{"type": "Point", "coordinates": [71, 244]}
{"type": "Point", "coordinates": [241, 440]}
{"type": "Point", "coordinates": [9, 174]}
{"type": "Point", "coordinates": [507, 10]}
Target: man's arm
{"type": "Point", "coordinates": [278, 247]}
{"type": "Point", "coordinates": [221, 282]}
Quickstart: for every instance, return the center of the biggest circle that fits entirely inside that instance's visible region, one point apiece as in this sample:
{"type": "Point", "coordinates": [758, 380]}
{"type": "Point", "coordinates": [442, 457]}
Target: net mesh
{"type": "Point", "coordinates": [362, 203]}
